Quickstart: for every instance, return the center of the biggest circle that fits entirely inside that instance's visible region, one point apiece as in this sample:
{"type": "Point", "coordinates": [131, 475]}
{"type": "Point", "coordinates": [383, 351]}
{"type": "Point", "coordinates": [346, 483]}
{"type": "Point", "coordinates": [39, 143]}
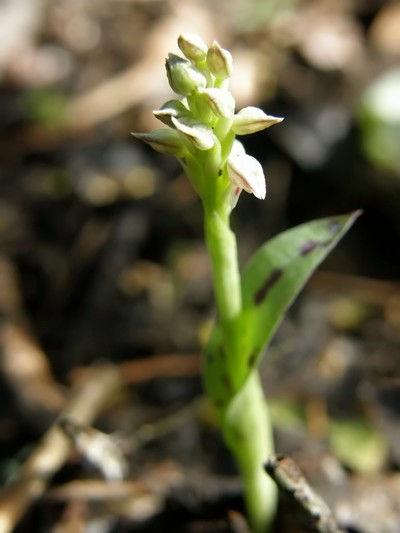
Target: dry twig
{"type": "Point", "coordinates": [23, 363]}
{"type": "Point", "coordinates": [290, 480]}
{"type": "Point", "coordinates": [84, 406]}
{"type": "Point", "coordinates": [146, 369]}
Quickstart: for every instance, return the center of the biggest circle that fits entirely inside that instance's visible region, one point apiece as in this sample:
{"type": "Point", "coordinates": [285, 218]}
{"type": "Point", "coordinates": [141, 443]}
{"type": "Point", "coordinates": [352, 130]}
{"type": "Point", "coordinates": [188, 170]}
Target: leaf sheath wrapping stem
{"type": "Point", "coordinates": [248, 433]}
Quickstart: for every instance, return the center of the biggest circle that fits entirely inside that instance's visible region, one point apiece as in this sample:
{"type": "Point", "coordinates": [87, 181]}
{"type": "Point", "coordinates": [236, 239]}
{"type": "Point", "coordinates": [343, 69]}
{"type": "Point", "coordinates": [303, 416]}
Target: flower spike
{"type": "Point", "coordinates": [202, 125]}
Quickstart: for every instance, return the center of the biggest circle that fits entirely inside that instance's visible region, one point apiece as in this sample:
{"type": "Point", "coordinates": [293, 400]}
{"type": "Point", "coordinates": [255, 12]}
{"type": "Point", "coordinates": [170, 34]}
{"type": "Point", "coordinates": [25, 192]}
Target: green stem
{"type": "Point", "coordinates": [248, 433]}
{"type": "Point", "coordinates": [246, 423]}
{"type": "Point", "coordinates": [221, 243]}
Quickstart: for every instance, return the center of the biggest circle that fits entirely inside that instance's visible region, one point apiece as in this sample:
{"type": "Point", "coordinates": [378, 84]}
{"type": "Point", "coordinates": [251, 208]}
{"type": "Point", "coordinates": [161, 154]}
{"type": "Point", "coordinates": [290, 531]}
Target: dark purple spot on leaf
{"type": "Point", "coordinates": [219, 403]}
{"type": "Point", "coordinates": [308, 247]}
{"type": "Point", "coordinates": [253, 358]}
{"type": "Point", "coordinates": [221, 352]}
{"type": "Point", "coordinates": [226, 384]}
{"type": "Point", "coordinates": [238, 434]}
{"type": "Point", "coordinates": [210, 358]}
{"type": "Point", "coordinates": [272, 279]}
{"type": "Point", "coordinates": [334, 226]}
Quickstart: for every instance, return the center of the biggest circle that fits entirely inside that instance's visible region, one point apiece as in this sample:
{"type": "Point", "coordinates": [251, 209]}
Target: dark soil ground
{"type": "Point", "coordinates": [103, 267]}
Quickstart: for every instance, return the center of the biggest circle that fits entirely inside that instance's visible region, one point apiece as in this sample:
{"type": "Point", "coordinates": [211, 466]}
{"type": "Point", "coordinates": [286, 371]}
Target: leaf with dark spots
{"type": "Point", "coordinates": [278, 271]}
{"type": "Point", "coordinates": [270, 282]}
{"type": "Point", "coordinates": [272, 279]}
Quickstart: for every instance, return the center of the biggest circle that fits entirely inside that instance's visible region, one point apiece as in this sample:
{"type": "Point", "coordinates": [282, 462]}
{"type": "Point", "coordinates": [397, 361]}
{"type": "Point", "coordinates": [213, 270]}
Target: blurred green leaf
{"type": "Point", "coordinates": [379, 116]}
{"type": "Point", "coordinates": [358, 445]}
{"type": "Point", "coordinates": [46, 106]}
{"type": "Point", "coordinates": [287, 413]}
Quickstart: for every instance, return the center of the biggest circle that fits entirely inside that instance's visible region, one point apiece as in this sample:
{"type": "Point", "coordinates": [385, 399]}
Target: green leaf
{"type": "Point", "coordinates": [358, 445]}
{"type": "Point", "coordinates": [279, 270]}
{"type": "Point", "coordinates": [270, 282]}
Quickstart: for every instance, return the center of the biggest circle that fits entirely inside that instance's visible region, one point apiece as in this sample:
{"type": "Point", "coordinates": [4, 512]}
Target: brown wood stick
{"type": "Point", "coordinates": [290, 480]}
{"type": "Point", "coordinates": [157, 366]}
{"type": "Point", "coordinates": [84, 406]}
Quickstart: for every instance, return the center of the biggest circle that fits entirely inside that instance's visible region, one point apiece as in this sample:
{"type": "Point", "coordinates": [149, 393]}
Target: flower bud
{"type": "Point", "coordinates": [220, 101]}
{"type": "Point", "coordinates": [192, 46]}
{"type": "Point", "coordinates": [219, 61]}
{"type": "Point", "coordinates": [245, 172]}
{"type": "Point", "coordinates": [201, 136]}
{"type": "Point", "coordinates": [164, 140]}
{"type": "Point", "coordinates": [183, 77]}
{"type": "Point", "coordinates": [252, 119]}
{"type": "Point", "coordinates": [172, 108]}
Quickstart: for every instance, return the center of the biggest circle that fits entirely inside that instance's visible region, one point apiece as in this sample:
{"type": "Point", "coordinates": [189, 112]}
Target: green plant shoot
{"type": "Point", "coordinates": [201, 129]}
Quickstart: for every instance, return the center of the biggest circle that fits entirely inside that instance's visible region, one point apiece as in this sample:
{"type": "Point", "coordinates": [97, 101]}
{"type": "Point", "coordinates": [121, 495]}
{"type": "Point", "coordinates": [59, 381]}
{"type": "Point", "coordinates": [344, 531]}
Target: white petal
{"type": "Point", "coordinates": [252, 119]}
{"type": "Point", "coordinates": [246, 172]}
{"type": "Point", "coordinates": [237, 149]}
{"type": "Point", "coordinates": [199, 134]}
{"type": "Point", "coordinates": [164, 140]}
{"type": "Point", "coordinates": [220, 101]}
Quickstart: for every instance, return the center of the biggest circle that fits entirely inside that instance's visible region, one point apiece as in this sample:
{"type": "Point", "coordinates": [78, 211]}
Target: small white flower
{"type": "Point", "coordinates": [164, 140]}
{"type": "Point", "coordinates": [252, 119]}
{"type": "Point", "coordinates": [245, 172]}
{"type": "Point", "coordinates": [200, 135]}
{"type": "Point", "coordinates": [172, 108]}
{"type": "Point", "coordinates": [220, 101]}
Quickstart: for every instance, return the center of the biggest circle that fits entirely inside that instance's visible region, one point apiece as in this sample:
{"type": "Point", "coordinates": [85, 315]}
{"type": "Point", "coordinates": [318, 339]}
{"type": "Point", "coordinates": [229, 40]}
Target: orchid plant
{"type": "Point", "coordinates": [200, 130]}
